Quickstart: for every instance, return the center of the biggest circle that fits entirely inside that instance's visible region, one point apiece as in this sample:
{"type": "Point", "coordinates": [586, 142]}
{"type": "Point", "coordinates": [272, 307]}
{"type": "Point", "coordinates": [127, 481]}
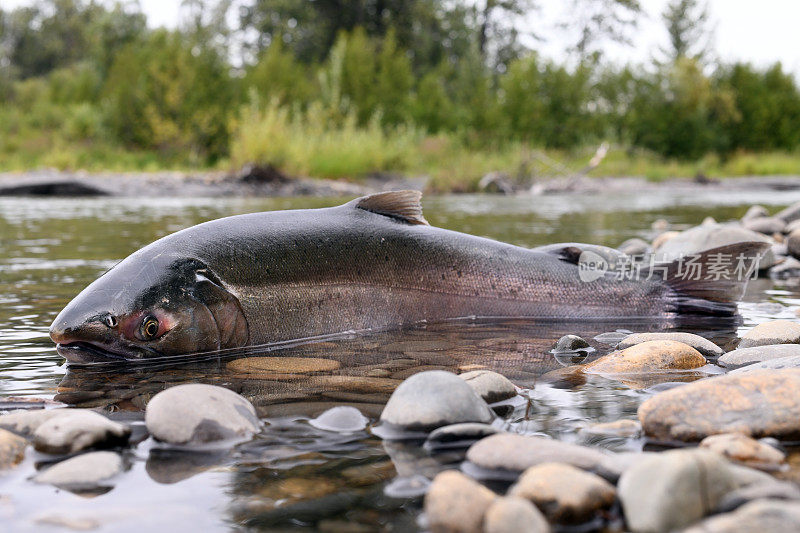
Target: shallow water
{"type": "Point", "coordinates": [293, 475]}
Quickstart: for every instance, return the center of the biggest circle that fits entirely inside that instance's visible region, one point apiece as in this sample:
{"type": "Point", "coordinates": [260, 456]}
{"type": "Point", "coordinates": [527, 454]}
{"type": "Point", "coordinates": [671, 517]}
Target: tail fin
{"type": "Point", "coordinates": [712, 281]}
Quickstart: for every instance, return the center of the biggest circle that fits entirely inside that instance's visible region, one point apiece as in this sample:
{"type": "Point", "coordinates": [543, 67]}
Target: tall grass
{"type": "Point", "coordinates": [311, 143]}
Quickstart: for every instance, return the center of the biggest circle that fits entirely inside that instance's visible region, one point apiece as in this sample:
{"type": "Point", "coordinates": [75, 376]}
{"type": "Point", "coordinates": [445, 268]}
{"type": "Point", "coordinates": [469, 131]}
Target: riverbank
{"type": "Point", "coordinates": [268, 182]}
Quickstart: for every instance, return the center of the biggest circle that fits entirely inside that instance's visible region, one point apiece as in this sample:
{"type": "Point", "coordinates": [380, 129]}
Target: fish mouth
{"type": "Point", "coordinates": [82, 353]}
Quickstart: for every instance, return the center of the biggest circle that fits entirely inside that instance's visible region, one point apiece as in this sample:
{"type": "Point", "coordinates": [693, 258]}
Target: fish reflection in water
{"type": "Point", "coordinates": [357, 369]}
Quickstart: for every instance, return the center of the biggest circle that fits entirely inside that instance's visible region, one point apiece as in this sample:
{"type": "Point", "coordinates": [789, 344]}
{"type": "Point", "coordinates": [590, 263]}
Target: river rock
{"type": "Point", "coordinates": [788, 269]}
{"type": "Point", "coordinates": [774, 490]}
{"type": "Point", "coordinates": [781, 363]}
{"type": "Point", "coordinates": [673, 489]}
{"type": "Point", "coordinates": [759, 404]}
{"type": "Point", "coordinates": [283, 365]}
{"type": "Point", "coordinates": [196, 413]}
{"type": "Point", "coordinates": [701, 238]}
{"type": "Point", "coordinates": [789, 214]}
{"type": "Point", "coordinates": [618, 428]}
{"type": "Point", "coordinates": [83, 472]}
{"type": "Point", "coordinates": [701, 344]}
{"type": "Point", "coordinates": [514, 515]}
{"type": "Point", "coordinates": [634, 247]}
{"type": "Point", "coordinates": [25, 422]}
{"type": "Point", "coordinates": [456, 504]}
{"type": "Point", "coordinates": [744, 449]}
{"type": "Point", "coordinates": [758, 354]}
{"type": "Point", "coordinates": [793, 244]}
{"type": "Point", "coordinates": [647, 357]}
{"type": "Point", "coordinates": [570, 343]}
{"type": "Point", "coordinates": [433, 399]}
{"type": "Point", "coordinates": [76, 430]}
{"type": "Point", "coordinates": [490, 386]}
{"type": "Point", "coordinates": [664, 238]}
{"type": "Point", "coordinates": [458, 435]}
{"type": "Point", "coordinates": [772, 332]}
{"type": "Point", "coordinates": [765, 225]}
{"type": "Point", "coordinates": [342, 419]}
{"type": "Point", "coordinates": [565, 494]}
{"type": "Point", "coordinates": [509, 454]}
{"type": "Point", "coordinates": [755, 211]}
{"type": "Point", "coordinates": [760, 515]}
{"type": "Point", "coordinates": [12, 449]}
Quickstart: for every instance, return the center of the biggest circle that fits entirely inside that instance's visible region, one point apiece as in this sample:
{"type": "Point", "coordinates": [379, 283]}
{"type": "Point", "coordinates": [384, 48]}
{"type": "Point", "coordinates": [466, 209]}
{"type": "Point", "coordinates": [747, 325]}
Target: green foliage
{"type": "Point", "coordinates": [335, 90]}
{"type": "Point", "coordinates": [166, 95]}
{"type": "Point", "coordinates": [305, 142]}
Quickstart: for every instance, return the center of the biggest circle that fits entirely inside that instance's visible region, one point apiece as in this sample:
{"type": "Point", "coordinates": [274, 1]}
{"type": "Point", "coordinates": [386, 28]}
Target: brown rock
{"type": "Point", "coordinates": [514, 515]}
{"type": "Point", "coordinates": [648, 357]}
{"type": "Point", "coordinates": [12, 449]}
{"type": "Point", "coordinates": [760, 404]}
{"type": "Point", "coordinates": [564, 493]}
{"type": "Point", "coordinates": [772, 332]}
{"type": "Point", "coordinates": [617, 428]}
{"type": "Point", "coordinates": [456, 503]}
{"type": "Point", "coordinates": [744, 449]}
{"type": "Point", "coordinates": [701, 344]}
{"type": "Point", "coordinates": [355, 383]}
{"type": "Point", "coordinates": [283, 365]}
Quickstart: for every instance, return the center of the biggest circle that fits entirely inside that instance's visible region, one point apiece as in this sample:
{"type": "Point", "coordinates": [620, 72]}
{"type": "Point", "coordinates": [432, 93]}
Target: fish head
{"type": "Point", "coordinates": [150, 307]}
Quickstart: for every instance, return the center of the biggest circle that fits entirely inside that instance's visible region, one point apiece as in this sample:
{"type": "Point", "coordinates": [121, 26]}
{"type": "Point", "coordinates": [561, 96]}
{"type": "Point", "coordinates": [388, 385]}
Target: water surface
{"type": "Point", "coordinates": [293, 475]}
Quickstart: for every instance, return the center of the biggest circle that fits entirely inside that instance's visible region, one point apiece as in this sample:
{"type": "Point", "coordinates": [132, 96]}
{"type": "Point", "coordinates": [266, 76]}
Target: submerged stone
{"type": "Point", "coordinates": [196, 413]}
{"type": "Point", "coordinates": [618, 428]}
{"type": "Point", "coordinates": [283, 365]}
{"type": "Point", "coordinates": [570, 343]}
{"type": "Point", "coordinates": [701, 344]}
{"type": "Point", "coordinates": [760, 404]}
{"type": "Point", "coordinates": [343, 419]}
{"type": "Point", "coordinates": [564, 493]}
{"type": "Point", "coordinates": [458, 435]}
{"type": "Point", "coordinates": [490, 386]}
{"type": "Point", "coordinates": [649, 356]}
{"type": "Point", "coordinates": [772, 332]}
{"type": "Point", "coordinates": [433, 399]}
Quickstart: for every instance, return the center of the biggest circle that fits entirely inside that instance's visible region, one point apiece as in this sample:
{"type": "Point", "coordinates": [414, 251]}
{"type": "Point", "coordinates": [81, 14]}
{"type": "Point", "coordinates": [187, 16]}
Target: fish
{"type": "Point", "coordinates": [373, 263]}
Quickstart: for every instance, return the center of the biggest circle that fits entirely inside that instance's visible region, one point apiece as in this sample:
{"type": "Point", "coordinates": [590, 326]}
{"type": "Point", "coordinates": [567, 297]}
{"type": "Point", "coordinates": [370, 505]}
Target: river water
{"type": "Point", "coordinates": [293, 475]}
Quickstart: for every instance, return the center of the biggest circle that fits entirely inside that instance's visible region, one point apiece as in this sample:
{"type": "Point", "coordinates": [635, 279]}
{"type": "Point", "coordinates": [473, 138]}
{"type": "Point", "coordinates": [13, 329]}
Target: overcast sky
{"type": "Point", "coordinates": [761, 32]}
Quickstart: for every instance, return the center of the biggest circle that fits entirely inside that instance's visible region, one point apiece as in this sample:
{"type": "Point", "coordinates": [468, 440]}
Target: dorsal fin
{"type": "Point", "coordinates": [402, 205]}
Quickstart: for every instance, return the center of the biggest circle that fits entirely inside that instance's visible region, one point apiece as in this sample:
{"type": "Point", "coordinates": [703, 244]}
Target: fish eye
{"type": "Point", "coordinates": [149, 328]}
{"type": "Point", "coordinates": [110, 321]}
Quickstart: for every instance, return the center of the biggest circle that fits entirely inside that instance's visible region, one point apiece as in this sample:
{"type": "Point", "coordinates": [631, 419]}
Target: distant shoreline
{"type": "Point", "coordinates": [54, 183]}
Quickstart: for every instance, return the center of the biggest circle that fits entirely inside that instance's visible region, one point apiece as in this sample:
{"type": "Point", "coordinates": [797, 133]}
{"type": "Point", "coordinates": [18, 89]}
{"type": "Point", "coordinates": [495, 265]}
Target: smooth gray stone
{"type": "Point", "coordinates": [792, 361]}
{"type": "Point", "coordinates": [673, 489]}
{"type": "Point", "coordinates": [433, 399]}
{"type": "Point", "coordinates": [705, 237]}
{"type": "Point", "coordinates": [760, 515]}
{"type": "Point", "coordinates": [75, 430]}
{"type": "Point", "coordinates": [196, 413]}
{"type": "Point", "coordinates": [490, 386]}
{"type": "Point", "coordinates": [83, 471]}
{"type": "Point", "coordinates": [757, 354]}
{"type": "Point", "coordinates": [342, 419]}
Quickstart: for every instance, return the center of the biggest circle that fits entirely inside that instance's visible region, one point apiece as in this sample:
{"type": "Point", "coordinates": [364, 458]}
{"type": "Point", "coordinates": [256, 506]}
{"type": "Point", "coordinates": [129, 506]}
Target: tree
{"type": "Point", "coordinates": [598, 21]}
{"type": "Point", "coordinates": [690, 34]}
